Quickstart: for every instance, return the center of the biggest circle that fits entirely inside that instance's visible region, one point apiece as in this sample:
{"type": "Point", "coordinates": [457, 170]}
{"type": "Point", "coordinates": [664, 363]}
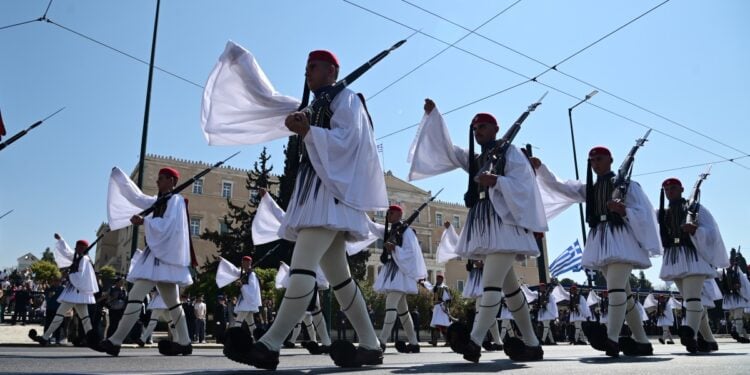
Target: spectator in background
{"type": "Point", "coordinates": [189, 309]}
{"type": "Point", "coordinates": [415, 319]}
{"type": "Point", "coordinates": [118, 299]}
{"type": "Point", "coordinates": [221, 318]}
{"type": "Point", "coordinates": [200, 319]}
{"type": "Point", "coordinates": [22, 299]}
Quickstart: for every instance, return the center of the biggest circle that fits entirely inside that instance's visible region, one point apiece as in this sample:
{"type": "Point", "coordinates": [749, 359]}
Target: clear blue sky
{"type": "Point", "coordinates": [685, 60]}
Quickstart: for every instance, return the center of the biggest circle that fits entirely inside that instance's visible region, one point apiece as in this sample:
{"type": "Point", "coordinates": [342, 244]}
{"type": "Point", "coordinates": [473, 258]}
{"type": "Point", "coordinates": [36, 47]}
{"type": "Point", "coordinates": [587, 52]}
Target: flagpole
{"type": "Point", "coordinates": [144, 134]}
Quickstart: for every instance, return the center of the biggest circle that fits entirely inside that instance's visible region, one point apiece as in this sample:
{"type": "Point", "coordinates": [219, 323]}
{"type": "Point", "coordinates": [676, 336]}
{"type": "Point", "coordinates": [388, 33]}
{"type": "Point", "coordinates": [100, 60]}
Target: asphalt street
{"type": "Point", "coordinates": [732, 358]}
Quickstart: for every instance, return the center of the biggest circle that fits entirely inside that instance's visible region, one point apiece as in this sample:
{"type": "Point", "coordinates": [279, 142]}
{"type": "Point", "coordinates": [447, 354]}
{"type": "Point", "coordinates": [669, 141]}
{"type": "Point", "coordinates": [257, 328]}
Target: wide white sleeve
{"type": "Point", "coordinates": [63, 253]}
{"type": "Point", "coordinates": [650, 303]}
{"type": "Point", "coordinates": [267, 221]}
{"type": "Point", "coordinates": [124, 199]}
{"type": "Point", "coordinates": [226, 273]}
{"type": "Point", "coordinates": [409, 257]}
{"type": "Point", "coordinates": [251, 291]}
{"type": "Point", "coordinates": [530, 295]}
{"type": "Point", "coordinates": [560, 294]}
{"type": "Point", "coordinates": [85, 279]}
{"type": "Point", "coordinates": [708, 240]}
{"type": "Point", "coordinates": [641, 218]}
{"type": "Point", "coordinates": [446, 249]}
{"type": "Point", "coordinates": [592, 299]}
{"type": "Point", "coordinates": [240, 105]}
{"type": "Point", "coordinates": [345, 157]}
{"type": "Point", "coordinates": [376, 231]}
{"type": "Point", "coordinates": [517, 193]}
{"type": "Point", "coordinates": [432, 152]}
{"type": "Point", "coordinates": [282, 276]}
{"type": "Point", "coordinates": [558, 195]}
{"type": "Point", "coordinates": [168, 236]}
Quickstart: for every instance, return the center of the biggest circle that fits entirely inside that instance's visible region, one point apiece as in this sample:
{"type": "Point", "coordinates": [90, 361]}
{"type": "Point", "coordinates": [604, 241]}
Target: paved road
{"type": "Point", "coordinates": [733, 358]}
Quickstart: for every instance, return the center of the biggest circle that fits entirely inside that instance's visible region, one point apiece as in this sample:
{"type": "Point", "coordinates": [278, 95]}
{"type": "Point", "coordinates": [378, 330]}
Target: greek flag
{"type": "Point", "coordinates": [569, 260]}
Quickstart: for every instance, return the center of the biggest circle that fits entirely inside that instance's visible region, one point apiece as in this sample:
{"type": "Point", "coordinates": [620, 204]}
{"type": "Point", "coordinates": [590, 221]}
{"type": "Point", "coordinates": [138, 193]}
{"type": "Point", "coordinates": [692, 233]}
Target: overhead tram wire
{"type": "Point", "coordinates": [47, 10]}
{"type": "Point", "coordinates": [42, 18]}
{"type": "Point", "coordinates": [557, 69]}
{"type": "Point", "coordinates": [691, 166]}
{"type": "Point", "coordinates": [444, 49]}
{"type": "Point", "coordinates": [534, 79]}
{"type": "Point", "coordinates": [459, 107]}
{"type": "Point", "coordinates": [123, 53]}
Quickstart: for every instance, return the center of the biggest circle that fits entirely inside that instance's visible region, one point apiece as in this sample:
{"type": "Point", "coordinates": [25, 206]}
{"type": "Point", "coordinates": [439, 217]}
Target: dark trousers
{"type": "Point", "coordinates": [19, 311]}
{"type": "Point", "coordinates": [114, 321]}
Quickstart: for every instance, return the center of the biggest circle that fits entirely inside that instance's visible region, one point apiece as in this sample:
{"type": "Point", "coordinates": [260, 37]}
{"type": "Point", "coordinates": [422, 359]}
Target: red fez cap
{"type": "Point", "coordinates": [323, 55]}
{"type": "Point", "coordinates": [247, 258]}
{"type": "Point", "coordinates": [82, 243]}
{"type": "Point", "coordinates": [171, 172]}
{"type": "Point", "coordinates": [574, 286]}
{"type": "Point", "coordinates": [395, 207]}
{"type": "Point", "coordinates": [671, 181]}
{"type": "Point", "coordinates": [599, 150]}
{"type": "Point", "coordinates": [542, 284]}
{"type": "Point", "coordinates": [483, 117]}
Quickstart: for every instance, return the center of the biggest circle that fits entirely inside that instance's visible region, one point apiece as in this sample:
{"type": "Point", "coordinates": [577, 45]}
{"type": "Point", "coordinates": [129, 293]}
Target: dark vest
{"type": "Point", "coordinates": [597, 202]}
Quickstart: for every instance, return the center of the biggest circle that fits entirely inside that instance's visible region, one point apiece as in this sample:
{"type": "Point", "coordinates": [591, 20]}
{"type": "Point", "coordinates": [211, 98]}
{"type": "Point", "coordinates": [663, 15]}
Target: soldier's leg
{"type": "Point", "coordinates": [132, 310]}
{"type": "Point", "coordinates": [391, 314]}
{"type": "Point", "coordinates": [516, 302]}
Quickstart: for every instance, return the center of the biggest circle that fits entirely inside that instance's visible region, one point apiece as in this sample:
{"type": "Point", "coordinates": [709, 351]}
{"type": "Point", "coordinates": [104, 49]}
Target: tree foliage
{"type": "Point", "coordinates": [45, 271]}
{"type": "Point", "coordinates": [48, 255]}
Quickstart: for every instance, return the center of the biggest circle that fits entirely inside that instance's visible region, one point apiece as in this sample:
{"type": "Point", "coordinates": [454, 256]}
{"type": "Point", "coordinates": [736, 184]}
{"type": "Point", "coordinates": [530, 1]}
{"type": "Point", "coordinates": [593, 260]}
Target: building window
{"type": "Point", "coordinates": [456, 222]}
{"type": "Point", "coordinates": [223, 227]}
{"type": "Point", "coordinates": [226, 189]}
{"type": "Point", "coordinates": [198, 186]}
{"type": "Point", "coordinates": [460, 285]}
{"type": "Point", "coordinates": [195, 226]}
{"type": "Point", "coordinates": [438, 218]}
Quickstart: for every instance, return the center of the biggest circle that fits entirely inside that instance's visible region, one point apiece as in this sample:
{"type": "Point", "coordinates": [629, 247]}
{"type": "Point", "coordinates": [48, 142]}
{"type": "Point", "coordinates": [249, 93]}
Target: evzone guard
{"type": "Point", "coordinates": [78, 293]}
{"type": "Point", "coordinates": [505, 209]}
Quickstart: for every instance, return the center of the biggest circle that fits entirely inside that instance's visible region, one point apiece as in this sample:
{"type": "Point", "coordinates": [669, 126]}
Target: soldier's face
{"type": "Point", "coordinates": [601, 164]}
{"type": "Point", "coordinates": [485, 132]}
{"type": "Point", "coordinates": [673, 191]}
{"type": "Point", "coordinates": [319, 74]}
{"type": "Point", "coordinates": [393, 216]}
{"type": "Point", "coordinates": [165, 183]}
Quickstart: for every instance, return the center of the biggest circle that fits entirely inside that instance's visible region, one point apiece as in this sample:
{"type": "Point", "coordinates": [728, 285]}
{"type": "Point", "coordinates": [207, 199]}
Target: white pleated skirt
{"type": "Point", "coordinates": [485, 233]}
{"type": "Point", "coordinates": [577, 317]}
{"type": "Point", "coordinates": [473, 287]}
{"type": "Point", "coordinates": [680, 262]}
{"type": "Point", "coordinates": [546, 314]}
{"type": "Point", "coordinates": [665, 321]}
{"type": "Point", "coordinates": [391, 279]}
{"type": "Point", "coordinates": [147, 267]}
{"type": "Point", "coordinates": [313, 206]}
{"type": "Point", "coordinates": [734, 301]}
{"type": "Point", "coordinates": [71, 294]}
{"type": "Point", "coordinates": [439, 317]}
{"type": "Point", "coordinates": [607, 244]}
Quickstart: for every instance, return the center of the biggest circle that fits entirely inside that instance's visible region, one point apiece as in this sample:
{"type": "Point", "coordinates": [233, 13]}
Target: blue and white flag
{"type": "Point", "coordinates": [569, 260]}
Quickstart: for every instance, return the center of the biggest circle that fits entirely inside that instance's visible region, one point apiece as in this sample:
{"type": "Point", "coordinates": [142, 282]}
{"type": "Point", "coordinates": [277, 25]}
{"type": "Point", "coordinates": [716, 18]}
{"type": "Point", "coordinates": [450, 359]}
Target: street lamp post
{"type": "Point", "coordinates": [575, 164]}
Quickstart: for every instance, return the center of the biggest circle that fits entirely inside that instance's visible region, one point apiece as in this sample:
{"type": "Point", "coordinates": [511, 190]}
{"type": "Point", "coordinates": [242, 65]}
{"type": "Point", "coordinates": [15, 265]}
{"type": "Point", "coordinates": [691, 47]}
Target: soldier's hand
{"type": "Point", "coordinates": [429, 105]}
{"type": "Point", "coordinates": [57, 236]}
{"type": "Point", "coordinates": [616, 207]}
{"type": "Point", "coordinates": [297, 123]}
{"type": "Point", "coordinates": [261, 192]}
{"type": "Point", "coordinates": [487, 180]}
{"type": "Point", "coordinates": [535, 162]}
{"type": "Point", "coordinates": [447, 224]}
{"type": "Point", "coordinates": [689, 228]}
{"type": "Point", "coordinates": [390, 246]}
{"type": "Point", "coordinates": [136, 220]}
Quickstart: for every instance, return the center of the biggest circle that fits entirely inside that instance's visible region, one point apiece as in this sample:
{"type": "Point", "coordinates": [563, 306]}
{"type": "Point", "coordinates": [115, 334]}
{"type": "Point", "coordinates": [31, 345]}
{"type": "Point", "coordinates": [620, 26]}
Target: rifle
{"type": "Point", "coordinates": [169, 195]}
{"type": "Point", "coordinates": [23, 132]}
{"type": "Point", "coordinates": [324, 99]}
{"type": "Point", "coordinates": [694, 201]}
{"type": "Point", "coordinates": [497, 153]}
{"type": "Point", "coordinates": [622, 180]}
{"type": "Point", "coordinates": [396, 235]}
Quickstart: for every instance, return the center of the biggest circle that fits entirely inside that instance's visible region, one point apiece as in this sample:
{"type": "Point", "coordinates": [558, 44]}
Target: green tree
{"type": "Point", "coordinates": [643, 282]}
{"type": "Point", "coordinates": [108, 272]}
{"type": "Point", "coordinates": [45, 271]}
{"type": "Point", "coordinates": [566, 282]}
{"type": "Point", "coordinates": [48, 255]}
